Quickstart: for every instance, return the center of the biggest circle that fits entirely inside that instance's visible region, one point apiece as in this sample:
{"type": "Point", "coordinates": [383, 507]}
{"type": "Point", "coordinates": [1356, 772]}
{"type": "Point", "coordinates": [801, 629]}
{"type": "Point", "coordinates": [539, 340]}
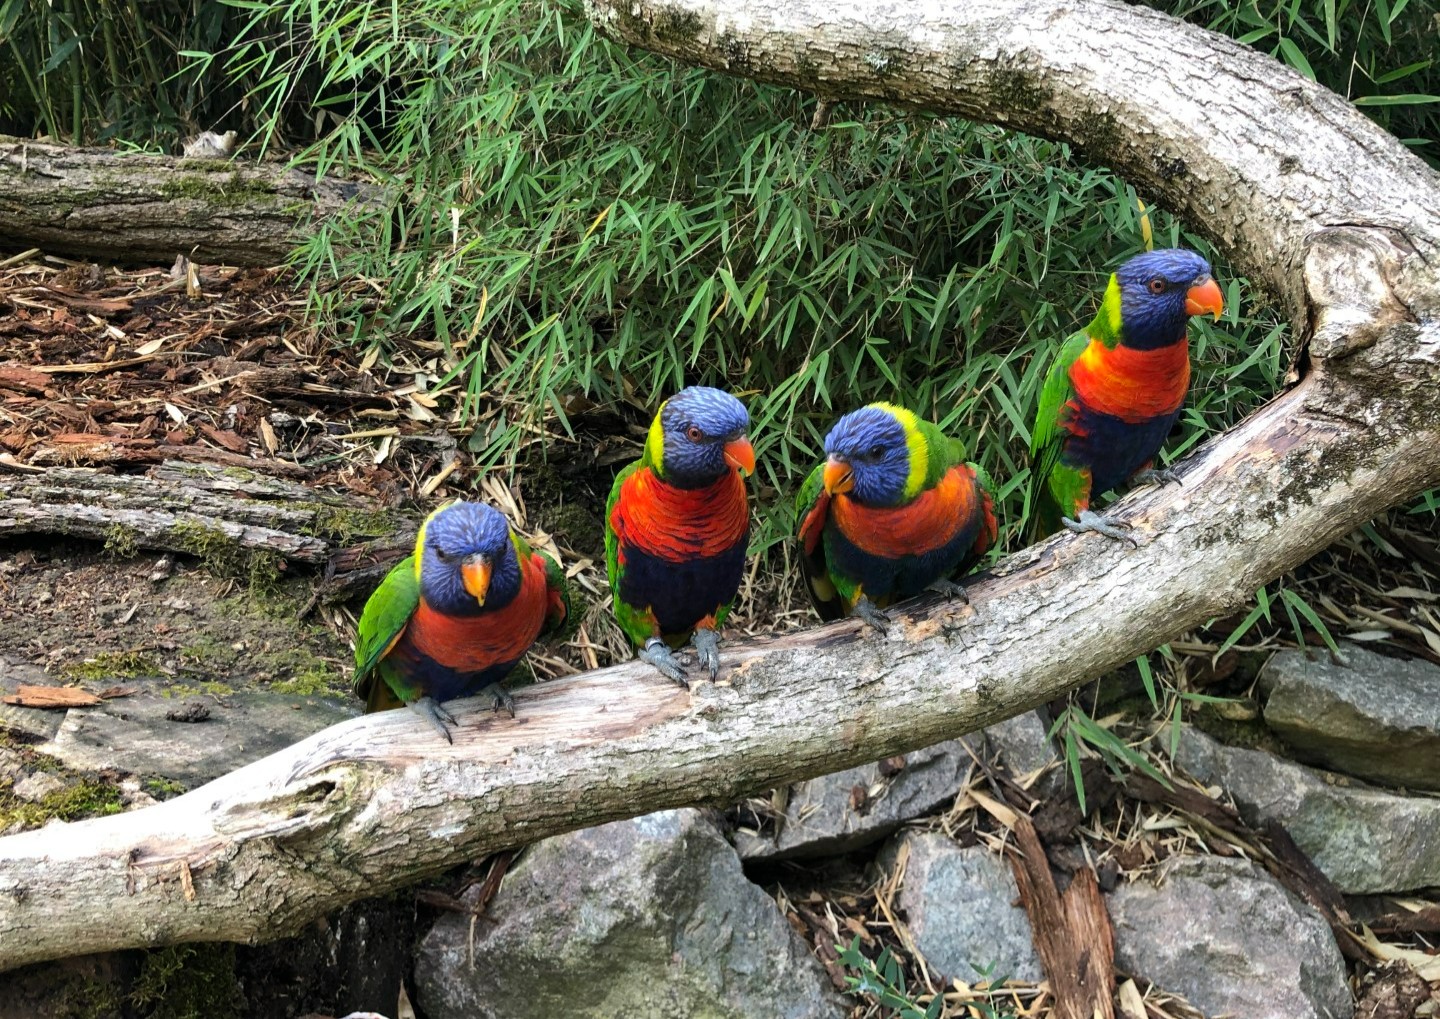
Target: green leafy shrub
{"type": "Point", "coordinates": [882, 981]}
{"type": "Point", "coordinates": [97, 70]}
{"type": "Point", "coordinates": [576, 217]}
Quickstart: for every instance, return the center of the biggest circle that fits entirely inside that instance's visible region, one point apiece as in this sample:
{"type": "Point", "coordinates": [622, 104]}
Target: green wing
{"type": "Point", "coordinates": [812, 507]}
{"type": "Point", "coordinates": [634, 621]}
{"type": "Point", "coordinates": [561, 621]}
{"type": "Point", "coordinates": [1050, 481]}
{"type": "Point", "coordinates": [990, 528]}
{"type": "Point", "coordinates": [384, 619]}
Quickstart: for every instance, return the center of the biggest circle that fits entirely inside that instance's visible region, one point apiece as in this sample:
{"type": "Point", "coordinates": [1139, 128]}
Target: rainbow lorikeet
{"type": "Point", "coordinates": [1115, 390]}
{"type": "Point", "coordinates": [893, 510]}
{"type": "Point", "coordinates": [676, 527]}
{"type": "Point", "coordinates": [455, 617]}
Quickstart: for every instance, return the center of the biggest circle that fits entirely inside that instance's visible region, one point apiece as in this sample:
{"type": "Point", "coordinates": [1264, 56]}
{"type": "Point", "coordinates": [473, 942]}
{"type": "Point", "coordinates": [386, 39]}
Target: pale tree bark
{"type": "Point", "coordinates": [125, 206]}
{"type": "Point", "coordinates": [1320, 203]}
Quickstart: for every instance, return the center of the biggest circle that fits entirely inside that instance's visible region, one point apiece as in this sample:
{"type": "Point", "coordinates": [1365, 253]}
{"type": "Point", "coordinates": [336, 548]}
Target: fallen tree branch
{"type": "Point", "coordinates": [126, 206]}
{"type": "Point", "coordinates": [1335, 215]}
{"type": "Point", "coordinates": [221, 515]}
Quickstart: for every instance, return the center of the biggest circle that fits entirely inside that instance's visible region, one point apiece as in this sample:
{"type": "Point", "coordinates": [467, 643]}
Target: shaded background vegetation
{"type": "Point", "coordinates": [577, 219]}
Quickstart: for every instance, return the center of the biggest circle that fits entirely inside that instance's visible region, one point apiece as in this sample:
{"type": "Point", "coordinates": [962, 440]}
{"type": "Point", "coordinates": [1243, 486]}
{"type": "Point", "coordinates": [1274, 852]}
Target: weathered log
{"type": "Point", "coordinates": [1338, 218]}
{"type": "Point", "coordinates": [127, 207]}
{"type": "Point", "coordinates": [222, 515]}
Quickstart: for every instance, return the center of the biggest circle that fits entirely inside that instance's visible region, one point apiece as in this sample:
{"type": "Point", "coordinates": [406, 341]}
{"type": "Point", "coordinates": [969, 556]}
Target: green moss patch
{"type": "Point", "coordinates": [112, 665]}
{"type": "Point", "coordinates": [91, 797]}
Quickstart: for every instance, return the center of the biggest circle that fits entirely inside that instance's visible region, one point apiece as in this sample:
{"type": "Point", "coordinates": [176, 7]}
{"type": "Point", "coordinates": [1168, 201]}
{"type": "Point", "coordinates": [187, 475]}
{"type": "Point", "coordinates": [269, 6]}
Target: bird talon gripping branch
{"type": "Point", "coordinates": [707, 650]}
{"type": "Point", "coordinates": [1153, 476]}
{"type": "Point", "coordinates": [499, 699]}
{"type": "Point", "coordinates": [428, 709]}
{"type": "Point", "coordinates": [1092, 522]}
{"type": "Point", "coordinates": [865, 610]}
{"type": "Point", "coordinates": [657, 654]}
{"type": "Point", "coordinates": [949, 589]}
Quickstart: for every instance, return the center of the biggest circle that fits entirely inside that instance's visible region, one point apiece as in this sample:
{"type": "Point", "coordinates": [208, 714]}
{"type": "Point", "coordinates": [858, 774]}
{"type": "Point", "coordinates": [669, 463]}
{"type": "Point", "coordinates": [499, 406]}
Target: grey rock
{"type": "Point", "coordinates": [961, 909]}
{"type": "Point", "coordinates": [133, 734]}
{"type": "Point", "coordinates": [35, 787]}
{"type": "Point", "coordinates": [1374, 717]}
{"type": "Point", "coordinates": [826, 816]}
{"type": "Point", "coordinates": [647, 917]}
{"type": "Point", "coordinates": [850, 809]}
{"type": "Point", "coordinates": [1364, 839]}
{"type": "Point", "coordinates": [12, 766]}
{"type": "Point", "coordinates": [1021, 743]}
{"type": "Point", "coordinates": [1232, 940]}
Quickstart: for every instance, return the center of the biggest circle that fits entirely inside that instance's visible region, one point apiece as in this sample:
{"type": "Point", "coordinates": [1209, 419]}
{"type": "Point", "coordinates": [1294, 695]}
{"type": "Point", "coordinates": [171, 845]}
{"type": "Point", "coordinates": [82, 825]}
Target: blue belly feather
{"type": "Point", "coordinates": [682, 593]}
{"type": "Point", "coordinates": [418, 671]}
{"type": "Point", "coordinates": [1111, 448]}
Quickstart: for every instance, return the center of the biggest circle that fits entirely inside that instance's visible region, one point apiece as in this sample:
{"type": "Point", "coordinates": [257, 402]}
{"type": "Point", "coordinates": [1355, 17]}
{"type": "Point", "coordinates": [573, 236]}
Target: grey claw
{"type": "Point", "coordinates": [499, 698]}
{"type": "Point", "coordinates": [707, 649]}
{"type": "Point", "coordinates": [1092, 521]}
{"type": "Point", "coordinates": [430, 710]}
{"type": "Point", "coordinates": [866, 610]}
{"type": "Point", "coordinates": [1151, 476]}
{"type": "Point", "coordinates": [947, 587]}
{"type": "Point", "coordinates": [657, 654]}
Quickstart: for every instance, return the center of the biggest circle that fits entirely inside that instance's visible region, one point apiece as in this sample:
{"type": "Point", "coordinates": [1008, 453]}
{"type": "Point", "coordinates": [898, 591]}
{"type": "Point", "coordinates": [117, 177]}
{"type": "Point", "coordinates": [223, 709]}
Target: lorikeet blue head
{"type": "Point", "coordinates": [698, 435]}
{"type": "Point", "coordinates": [465, 559]}
{"type": "Point", "coordinates": [876, 455]}
{"type": "Point", "coordinates": [1156, 291]}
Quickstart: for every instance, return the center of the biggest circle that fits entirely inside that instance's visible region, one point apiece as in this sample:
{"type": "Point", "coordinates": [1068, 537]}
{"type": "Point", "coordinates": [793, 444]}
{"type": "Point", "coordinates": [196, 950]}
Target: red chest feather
{"type": "Point", "coordinates": [931, 521]}
{"type": "Point", "coordinates": [1133, 385]}
{"type": "Point", "coordinates": [475, 643]}
{"type": "Point", "coordinates": [680, 524]}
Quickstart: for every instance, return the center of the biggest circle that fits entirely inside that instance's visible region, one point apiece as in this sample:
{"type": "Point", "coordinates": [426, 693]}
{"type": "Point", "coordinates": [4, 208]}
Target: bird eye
{"type": "Point", "coordinates": [1158, 286]}
{"type": "Point", "coordinates": [694, 434]}
{"type": "Point", "coordinates": [443, 556]}
{"type": "Point", "coordinates": [876, 452]}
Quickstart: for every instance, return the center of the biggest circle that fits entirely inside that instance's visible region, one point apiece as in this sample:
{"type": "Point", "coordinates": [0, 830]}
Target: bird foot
{"type": "Point", "coordinates": [947, 587]}
{"type": "Point", "coordinates": [1089, 520]}
{"type": "Point", "coordinates": [1151, 476]}
{"type": "Point", "coordinates": [499, 698]}
{"type": "Point", "coordinates": [707, 649]}
{"type": "Point", "coordinates": [866, 610]}
{"type": "Point", "coordinates": [430, 710]}
{"type": "Point", "coordinates": [657, 654]}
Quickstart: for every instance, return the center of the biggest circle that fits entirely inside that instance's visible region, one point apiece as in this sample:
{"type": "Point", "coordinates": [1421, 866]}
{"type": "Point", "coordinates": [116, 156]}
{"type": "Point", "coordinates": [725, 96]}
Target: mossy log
{"type": "Point", "coordinates": [128, 207]}
{"type": "Point", "coordinates": [226, 516]}
{"type": "Point", "coordinates": [1335, 216]}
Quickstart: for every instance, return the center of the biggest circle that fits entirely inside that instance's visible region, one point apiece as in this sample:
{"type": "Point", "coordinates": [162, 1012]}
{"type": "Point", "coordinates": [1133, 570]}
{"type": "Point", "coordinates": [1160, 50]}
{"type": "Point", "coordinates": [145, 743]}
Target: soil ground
{"type": "Point", "coordinates": [81, 613]}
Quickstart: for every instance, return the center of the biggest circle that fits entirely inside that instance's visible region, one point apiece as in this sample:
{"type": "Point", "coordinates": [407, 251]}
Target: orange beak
{"type": "Point", "coordinates": [1204, 297]}
{"type": "Point", "coordinates": [740, 455]}
{"type": "Point", "coordinates": [838, 476]}
{"type": "Point", "coordinates": [475, 575]}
